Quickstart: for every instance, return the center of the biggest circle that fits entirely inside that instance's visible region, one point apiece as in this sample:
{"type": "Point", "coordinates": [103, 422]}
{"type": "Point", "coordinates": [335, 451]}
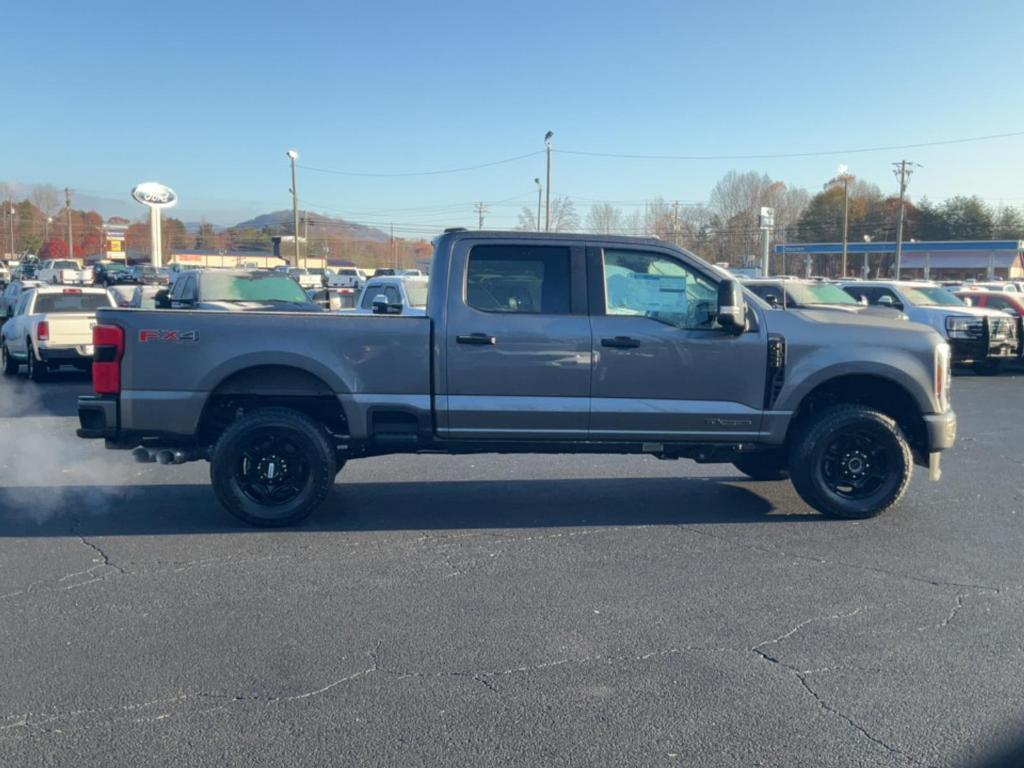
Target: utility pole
{"type": "Point", "coordinates": [46, 229]}
{"type": "Point", "coordinates": [481, 209]}
{"type": "Point", "coordinates": [903, 172]}
{"type": "Point", "coordinates": [766, 222]}
{"type": "Point", "coordinates": [675, 223]}
{"type": "Point", "coordinates": [540, 193]}
{"type": "Point", "coordinates": [67, 209]}
{"type": "Point", "coordinates": [866, 269]}
{"type": "Point", "coordinates": [547, 190]}
{"type": "Point", "coordinates": [293, 156]}
{"type": "Point", "coordinates": [10, 222]}
{"type": "Point", "coordinates": [394, 255]}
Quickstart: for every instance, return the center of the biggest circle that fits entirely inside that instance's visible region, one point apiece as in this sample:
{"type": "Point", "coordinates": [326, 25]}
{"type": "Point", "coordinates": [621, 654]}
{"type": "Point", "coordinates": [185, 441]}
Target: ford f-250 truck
{"type": "Point", "coordinates": [530, 343]}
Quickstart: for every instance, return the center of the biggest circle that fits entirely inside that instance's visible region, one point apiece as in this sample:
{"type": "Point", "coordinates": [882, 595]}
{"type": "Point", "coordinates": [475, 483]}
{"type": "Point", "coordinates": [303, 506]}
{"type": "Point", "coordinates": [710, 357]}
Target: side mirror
{"type": "Point", "coordinates": [1011, 312]}
{"type": "Point", "coordinates": [773, 300]}
{"type": "Point", "coordinates": [162, 299]}
{"type": "Point", "coordinates": [732, 307]}
{"type": "Point", "coordinates": [863, 301]}
{"type": "Point", "coordinates": [380, 304]}
{"type": "Point", "coordinates": [968, 301]}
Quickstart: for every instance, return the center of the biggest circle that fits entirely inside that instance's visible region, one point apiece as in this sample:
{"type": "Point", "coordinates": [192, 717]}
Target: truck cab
{"type": "Point", "coordinates": [532, 342]}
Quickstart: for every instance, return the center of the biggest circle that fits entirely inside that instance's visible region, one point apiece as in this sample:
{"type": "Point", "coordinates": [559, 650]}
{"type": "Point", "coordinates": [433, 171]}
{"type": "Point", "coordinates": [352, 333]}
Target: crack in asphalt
{"type": "Point", "coordinates": [801, 676]}
{"type": "Point", "coordinates": [957, 605]}
{"type": "Point", "coordinates": [818, 560]}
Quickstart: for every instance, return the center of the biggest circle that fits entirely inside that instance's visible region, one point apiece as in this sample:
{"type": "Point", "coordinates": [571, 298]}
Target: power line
{"type": "Point", "coordinates": [782, 155]}
{"type": "Point", "coordinates": [424, 173]}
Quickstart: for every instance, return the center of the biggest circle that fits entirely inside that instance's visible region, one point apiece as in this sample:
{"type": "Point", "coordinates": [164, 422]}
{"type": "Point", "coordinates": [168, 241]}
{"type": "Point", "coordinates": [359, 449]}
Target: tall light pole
{"type": "Point", "coordinates": [67, 209]}
{"type": "Point", "coordinates": [540, 193]}
{"type": "Point", "coordinates": [865, 268]}
{"type": "Point", "coordinates": [547, 197]}
{"type": "Point", "coordinates": [293, 156]}
{"type": "Point", "coordinates": [46, 229]}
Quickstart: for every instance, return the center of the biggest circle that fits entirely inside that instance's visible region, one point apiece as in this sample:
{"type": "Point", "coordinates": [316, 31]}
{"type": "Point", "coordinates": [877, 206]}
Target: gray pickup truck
{"type": "Point", "coordinates": [530, 343]}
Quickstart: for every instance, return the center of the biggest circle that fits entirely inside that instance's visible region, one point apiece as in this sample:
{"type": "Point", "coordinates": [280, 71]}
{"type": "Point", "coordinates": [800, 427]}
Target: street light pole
{"type": "Point", "coordinates": [865, 268]}
{"type": "Point", "coordinates": [10, 211]}
{"type": "Point", "coordinates": [845, 177]}
{"type": "Point", "coordinates": [46, 229]}
{"type": "Point", "coordinates": [293, 156]}
{"type": "Point", "coordinates": [540, 193]}
{"type": "Point", "coordinates": [547, 190]}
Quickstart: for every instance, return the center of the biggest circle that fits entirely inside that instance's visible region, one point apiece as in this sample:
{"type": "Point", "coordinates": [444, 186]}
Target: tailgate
{"type": "Point", "coordinates": [70, 330]}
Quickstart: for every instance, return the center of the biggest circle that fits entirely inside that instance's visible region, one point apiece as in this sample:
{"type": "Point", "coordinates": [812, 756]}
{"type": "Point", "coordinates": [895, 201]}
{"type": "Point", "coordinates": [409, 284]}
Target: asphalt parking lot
{"type": "Point", "coordinates": [495, 610]}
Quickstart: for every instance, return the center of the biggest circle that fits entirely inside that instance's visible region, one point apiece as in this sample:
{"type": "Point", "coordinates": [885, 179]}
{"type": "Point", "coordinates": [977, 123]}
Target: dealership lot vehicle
{"type": "Point", "coordinates": [550, 343]}
{"type": "Point", "coordinates": [345, 277]}
{"type": "Point", "coordinates": [122, 294]}
{"type": "Point", "coordinates": [11, 294]}
{"type": "Point", "coordinates": [144, 274]}
{"type": "Point", "coordinates": [793, 293]}
{"type": "Point", "coordinates": [981, 338]}
{"type": "Point", "coordinates": [108, 273]}
{"type": "Point", "coordinates": [64, 272]}
{"type": "Point", "coordinates": [1007, 302]}
{"type": "Point", "coordinates": [334, 299]}
{"type": "Point", "coordinates": [5, 274]}
{"type": "Point", "coordinates": [236, 290]}
{"type": "Point", "coordinates": [394, 296]}
{"type": "Point", "coordinates": [145, 296]}
{"type": "Point", "coordinates": [51, 327]}
{"type": "Point", "coordinates": [305, 278]}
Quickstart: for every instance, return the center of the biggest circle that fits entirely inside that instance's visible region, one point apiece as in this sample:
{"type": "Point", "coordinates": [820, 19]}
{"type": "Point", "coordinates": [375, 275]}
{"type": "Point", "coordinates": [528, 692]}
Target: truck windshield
{"type": "Point", "coordinates": [254, 287]}
{"type": "Point", "coordinates": [53, 303]}
{"type": "Point", "coordinates": [928, 296]}
{"type": "Point", "coordinates": [417, 294]}
{"type": "Point", "coordinates": [824, 293]}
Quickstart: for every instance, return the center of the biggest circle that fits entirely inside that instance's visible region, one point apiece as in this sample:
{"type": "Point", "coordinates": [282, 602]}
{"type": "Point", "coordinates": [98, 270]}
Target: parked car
{"type": "Point", "coordinates": [981, 338]}
{"type": "Point", "coordinates": [324, 273]}
{"type": "Point", "coordinates": [25, 270]}
{"type": "Point", "coordinates": [144, 274]}
{"type": "Point", "coordinates": [346, 277]}
{"type": "Point", "coordinates": [122, 294]}
{"type": "Point", "coordinates": [383, 272]}
{"type": "Point", "coordinates": [334, 299]}
{"type": "Point", "coordinates": [52, 326]}
{"type": "Point", "coordinates": [11, 295]}
{"type": "Point", "coordinates": [145, 296]}
{"type": "Point", "coordinates": [305, 278]}
{"type": "Point", "coordinates": [64, 272]}
{"type": "Point", "coordinates": [5, 274]}
{"type": "Point", "coordinates": [394, 296]}
{"type": "Point", "coordinates": [795, 293]}
{"type": "Point", "coordinates": [411, 273]}
{"type": "Point", "coordinates": [531, 342]}
{"type": "Point", "coordinates": [236, 290]}
{"type": "Point", "coordinates": [108, 273]}
{"type": "Point", "coordinates": [1010, 303]}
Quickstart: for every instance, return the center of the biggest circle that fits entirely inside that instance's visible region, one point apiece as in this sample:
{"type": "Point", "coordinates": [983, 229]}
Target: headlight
{"type": "Point", "coordinates": [943, 376]}
{"type": "Point", "coordinates": [958, 327]}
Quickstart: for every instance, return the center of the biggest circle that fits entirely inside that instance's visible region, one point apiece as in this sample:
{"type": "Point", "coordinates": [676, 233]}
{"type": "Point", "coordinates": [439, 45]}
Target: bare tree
{"type": "Point", "coordinates": [605, 219]}
{"type": "Point", "coordinates": [736, 201]}
{"type": "Point", "coordinates": [563, 215]}
{"type": "Point", "coordinates": [527, 220]}
{"type": "Point", "coordinates": [46, 198]}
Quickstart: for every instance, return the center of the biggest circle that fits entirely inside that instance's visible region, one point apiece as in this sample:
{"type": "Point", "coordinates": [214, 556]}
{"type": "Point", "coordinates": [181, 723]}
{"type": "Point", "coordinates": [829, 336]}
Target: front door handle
{"type": "Point", "coordinates": [480, 339]}
{"type": "Point", "coordinates": [620, 342]}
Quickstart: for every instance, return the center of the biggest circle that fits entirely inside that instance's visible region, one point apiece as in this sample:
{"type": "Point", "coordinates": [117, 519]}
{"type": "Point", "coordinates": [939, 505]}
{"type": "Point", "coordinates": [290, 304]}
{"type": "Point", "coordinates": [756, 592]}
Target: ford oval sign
{"type": "Point", "coordinates": [155, 195]}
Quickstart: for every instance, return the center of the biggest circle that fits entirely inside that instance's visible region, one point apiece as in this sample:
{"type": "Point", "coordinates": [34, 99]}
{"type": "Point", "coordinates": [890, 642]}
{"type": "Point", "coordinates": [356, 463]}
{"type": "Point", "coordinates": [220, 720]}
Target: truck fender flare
{"type": "Point", "coordinates": [790, 399]}
{"type": "Point", "coordinates": [253, 363]}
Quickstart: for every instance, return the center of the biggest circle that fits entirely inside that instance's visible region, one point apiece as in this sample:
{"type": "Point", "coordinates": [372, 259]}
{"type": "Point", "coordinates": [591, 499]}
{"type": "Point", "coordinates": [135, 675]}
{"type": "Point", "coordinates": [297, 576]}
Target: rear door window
{"type": "Point", "coordinates": [52, 303]}
{"type": "Point", "coordinates": [520, 279]}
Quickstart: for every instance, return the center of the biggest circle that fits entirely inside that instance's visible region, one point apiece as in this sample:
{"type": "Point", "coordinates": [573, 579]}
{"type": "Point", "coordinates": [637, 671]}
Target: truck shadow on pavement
{"type": "Point", "coordinates": [193, 509]}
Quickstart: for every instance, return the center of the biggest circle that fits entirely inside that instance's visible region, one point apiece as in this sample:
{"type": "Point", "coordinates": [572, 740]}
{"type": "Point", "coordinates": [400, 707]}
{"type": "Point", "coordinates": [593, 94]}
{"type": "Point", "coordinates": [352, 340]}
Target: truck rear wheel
{"type": "Point", "coordinates": [273, 467]}
{"type": "Point", "coordinates": [765, 465]}
{"type": "Point", "coordinates": [37, 371]}
{"type": "Point", "coordinates": [851, 462]}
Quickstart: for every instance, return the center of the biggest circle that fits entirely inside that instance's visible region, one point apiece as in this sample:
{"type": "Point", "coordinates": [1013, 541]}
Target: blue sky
{"type": "Point", "coordinates": [206, 97]}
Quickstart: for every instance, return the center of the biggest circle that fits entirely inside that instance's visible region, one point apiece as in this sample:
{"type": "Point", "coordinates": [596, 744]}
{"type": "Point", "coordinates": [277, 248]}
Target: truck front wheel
{"type": "Point", "coordinates": [273, 467]}
{"type": "Point", "coordinates": [851, 462]}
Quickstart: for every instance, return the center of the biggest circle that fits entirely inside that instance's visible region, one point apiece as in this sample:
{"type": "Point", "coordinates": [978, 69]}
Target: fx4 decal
{"type": "Point", "coordinates": [175, 336]}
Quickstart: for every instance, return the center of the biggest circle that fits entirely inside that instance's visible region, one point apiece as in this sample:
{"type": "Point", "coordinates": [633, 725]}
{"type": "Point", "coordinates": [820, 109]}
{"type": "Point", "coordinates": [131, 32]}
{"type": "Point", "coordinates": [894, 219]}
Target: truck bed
{"type": "Point", "coordinates": [174, 359]}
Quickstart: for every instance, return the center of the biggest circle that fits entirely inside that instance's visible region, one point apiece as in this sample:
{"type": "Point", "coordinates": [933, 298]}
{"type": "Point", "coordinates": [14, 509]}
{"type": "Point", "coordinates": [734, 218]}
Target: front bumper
{"type": "Point", "coordinates": [940, 431]}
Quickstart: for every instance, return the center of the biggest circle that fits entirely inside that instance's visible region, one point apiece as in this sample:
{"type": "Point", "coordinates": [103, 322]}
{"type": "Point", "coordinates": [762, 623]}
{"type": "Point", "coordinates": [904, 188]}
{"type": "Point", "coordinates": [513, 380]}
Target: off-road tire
{"type": "Point", "coordinates": [317, 453]}
{"type": "Point", "coordinates": [10, 364]}
{"type": "Point", "coordinates": [810, 461]}
{"type": "Point", "coordinates": [764, 465]}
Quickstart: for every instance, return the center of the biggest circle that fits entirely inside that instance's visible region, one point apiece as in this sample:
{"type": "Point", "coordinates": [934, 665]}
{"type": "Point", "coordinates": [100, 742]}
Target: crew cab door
{"type": "Point", "coordinates": [663, 368]}
{"type": "Point", "coordinates": [516, 342]}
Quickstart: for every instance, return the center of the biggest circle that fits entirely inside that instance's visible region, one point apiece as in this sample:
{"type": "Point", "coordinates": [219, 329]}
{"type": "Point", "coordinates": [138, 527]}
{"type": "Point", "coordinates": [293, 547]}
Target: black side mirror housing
{"type": "Point", "coordinates": [732, 307]}
{"type": "Point", "coordinates": [162, 299]}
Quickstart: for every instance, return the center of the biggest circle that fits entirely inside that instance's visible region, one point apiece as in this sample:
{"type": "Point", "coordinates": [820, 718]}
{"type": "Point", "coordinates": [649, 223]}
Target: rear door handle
{"type": "Point", "coordinates": [480, 339]}
{"type": "Point", "coordinates": [620, 342]}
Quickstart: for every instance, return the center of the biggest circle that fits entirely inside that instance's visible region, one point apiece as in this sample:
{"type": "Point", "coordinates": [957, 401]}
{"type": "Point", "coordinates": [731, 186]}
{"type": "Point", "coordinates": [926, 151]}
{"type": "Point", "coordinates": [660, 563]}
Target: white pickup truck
{"type": "Point", "coordinates": [52, 326]}
{"type": "Point", "coordinates": [63, 272]}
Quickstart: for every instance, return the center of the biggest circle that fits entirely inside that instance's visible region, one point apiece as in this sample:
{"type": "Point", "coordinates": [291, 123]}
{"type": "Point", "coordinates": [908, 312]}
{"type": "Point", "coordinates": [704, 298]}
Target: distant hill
{"type": "Point", "coordinates": [283, 219]}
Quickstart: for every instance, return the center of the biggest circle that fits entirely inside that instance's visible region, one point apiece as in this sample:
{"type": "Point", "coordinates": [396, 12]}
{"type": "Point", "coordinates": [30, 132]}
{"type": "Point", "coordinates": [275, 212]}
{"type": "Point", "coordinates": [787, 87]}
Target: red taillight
{"type": "Point", "coordinates": [108, 349]}
{"type": "Point", "coordinates": [72, 290]}
{"type": "Point", "coordinates": [43, 331]}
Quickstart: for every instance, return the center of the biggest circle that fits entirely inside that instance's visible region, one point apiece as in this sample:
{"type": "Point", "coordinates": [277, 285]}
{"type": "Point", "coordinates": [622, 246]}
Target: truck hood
{"type": "Point", "coordinates": [820, 326]}
{"type": "Point", "coordinates": [944, 311]}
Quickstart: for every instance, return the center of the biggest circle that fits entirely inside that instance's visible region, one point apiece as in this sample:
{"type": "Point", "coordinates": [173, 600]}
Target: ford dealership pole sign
{"type": "Point", "coordinates": [155, 196]}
